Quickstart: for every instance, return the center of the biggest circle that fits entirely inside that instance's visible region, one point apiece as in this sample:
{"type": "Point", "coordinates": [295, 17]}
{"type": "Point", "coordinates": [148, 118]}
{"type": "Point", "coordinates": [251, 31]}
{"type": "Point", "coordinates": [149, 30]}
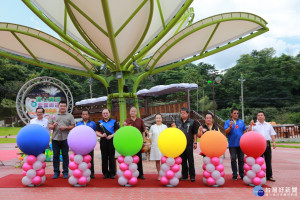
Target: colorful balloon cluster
{"type": "Point", "coordinates": [128, 172]}
{"type": "Point", "coordinates": [170, 171]}
{"type": "Point", "coordinates": [213, 174]}
{"type": "Point", "coordinates": [34, 170]}
{"type": "Point", "coordinates": [79, 169]}
{"type": "Point", "coordinates": [254, 171]}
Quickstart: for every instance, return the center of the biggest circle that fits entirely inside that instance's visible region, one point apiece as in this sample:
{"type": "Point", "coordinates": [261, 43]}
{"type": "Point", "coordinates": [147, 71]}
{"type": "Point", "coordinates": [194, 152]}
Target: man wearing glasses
{"type": "Point", "coordinates": [234, 129]}
{"type": "Point", "coordinates": [40, 120]}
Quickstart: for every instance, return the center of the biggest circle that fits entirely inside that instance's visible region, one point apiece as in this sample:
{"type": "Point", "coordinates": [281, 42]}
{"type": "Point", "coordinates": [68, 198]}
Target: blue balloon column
{"type": "Point", "coordinates": [32, 140]}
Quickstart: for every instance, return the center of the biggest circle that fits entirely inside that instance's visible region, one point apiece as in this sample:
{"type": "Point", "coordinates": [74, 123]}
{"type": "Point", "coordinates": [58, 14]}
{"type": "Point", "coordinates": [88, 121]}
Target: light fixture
{"type": "Point", "coordinates": [218, 79]}
{"type": "Point", "coordinates": [119, 75]}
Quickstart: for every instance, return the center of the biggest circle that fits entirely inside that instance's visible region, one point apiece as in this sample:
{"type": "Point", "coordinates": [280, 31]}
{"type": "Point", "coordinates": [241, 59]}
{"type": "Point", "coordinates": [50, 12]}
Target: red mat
{"type": "Point", "coordinates": [14, 181]}
{"type": "Point", "coordinates": [8, 154]}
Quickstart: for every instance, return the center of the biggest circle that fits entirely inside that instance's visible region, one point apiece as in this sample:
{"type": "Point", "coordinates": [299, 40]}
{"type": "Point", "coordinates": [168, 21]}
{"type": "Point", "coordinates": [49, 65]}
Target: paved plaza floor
{"type": "Point", "coordinates": [286, 170]}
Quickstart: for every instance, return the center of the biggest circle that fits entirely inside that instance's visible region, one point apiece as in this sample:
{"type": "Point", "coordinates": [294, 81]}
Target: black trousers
{"type": "Point", "coordinates": [108, 157]}
{"type": "Point", "coordinates": [188, 166]}
{"type": "Point", "coordinates": [268, 159]}
{"type": "Point", "coordinates": [92, 163]}
{"type": "Point", "coordinates": [64, 147]}
{"type": "Point", "coordinates": [237, 153]}
{"type": "Point", "coordinates": [140, 163]}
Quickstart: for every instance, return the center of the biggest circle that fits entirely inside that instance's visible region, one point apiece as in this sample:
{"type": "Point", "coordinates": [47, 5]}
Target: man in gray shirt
{"type": "Point", "coordinates": [61, 124]}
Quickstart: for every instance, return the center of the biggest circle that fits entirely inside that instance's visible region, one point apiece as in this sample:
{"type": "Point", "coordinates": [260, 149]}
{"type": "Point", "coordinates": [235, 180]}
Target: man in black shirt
{"type": "Point", "coordinates": [190, 129]}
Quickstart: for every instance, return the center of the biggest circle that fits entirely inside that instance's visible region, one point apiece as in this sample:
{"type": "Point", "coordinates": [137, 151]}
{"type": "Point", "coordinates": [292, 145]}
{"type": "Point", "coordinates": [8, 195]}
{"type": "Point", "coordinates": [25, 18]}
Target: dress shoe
{"type": "Point", "coordinates": [55, 176]}
{"type": "Point", "coordinates": [192, 179]}
{"type": "Point", "coordinates": [271, 179]}
{"type": "Point", "coordinates": [65, 176]}
{"type": "Point", "coordinates": [234, 178]}
{"type": "Point", "coordinates": [105, 176]}
{"type": "Point", "coordinates": [183, 179]}
{"type": "Point", "coordinates": [92, 176]}
{"type": "Point", "coordinates": [112, 177]}
{"type": "Point", "coordinates": [142, 177]}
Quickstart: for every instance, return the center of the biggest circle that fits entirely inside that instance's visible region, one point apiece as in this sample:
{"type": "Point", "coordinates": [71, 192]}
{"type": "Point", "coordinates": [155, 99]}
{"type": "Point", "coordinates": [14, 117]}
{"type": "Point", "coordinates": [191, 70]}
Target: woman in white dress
{"type": "Point", "coordinates": [154, 132]}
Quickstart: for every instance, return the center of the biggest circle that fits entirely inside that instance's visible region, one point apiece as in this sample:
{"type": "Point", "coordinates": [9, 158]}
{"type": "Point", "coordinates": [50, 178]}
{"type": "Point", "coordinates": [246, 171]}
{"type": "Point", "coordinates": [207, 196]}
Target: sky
{"type": "Point", "coordinates": [282, 16]}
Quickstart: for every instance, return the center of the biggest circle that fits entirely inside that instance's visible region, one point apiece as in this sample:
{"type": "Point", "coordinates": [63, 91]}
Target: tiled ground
{"type": "Point", "coordinates": [286, 169]}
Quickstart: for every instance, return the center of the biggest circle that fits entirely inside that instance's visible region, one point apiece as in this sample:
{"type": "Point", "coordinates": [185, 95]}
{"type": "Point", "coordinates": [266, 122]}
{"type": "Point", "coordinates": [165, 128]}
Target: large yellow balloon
{"type": "Point", "coordinates": [213, 143]}
{"type": "Point", "coordinates": [172, 142]}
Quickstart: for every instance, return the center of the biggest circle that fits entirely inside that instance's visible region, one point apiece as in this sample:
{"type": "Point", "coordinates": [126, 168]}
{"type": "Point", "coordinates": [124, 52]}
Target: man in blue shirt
{"type": "Point", "coordinates": [234, 129]}
{"type": "Point", "coordinates": [106, 129]}
{"type": "Point", "coordinates": [85, 115]}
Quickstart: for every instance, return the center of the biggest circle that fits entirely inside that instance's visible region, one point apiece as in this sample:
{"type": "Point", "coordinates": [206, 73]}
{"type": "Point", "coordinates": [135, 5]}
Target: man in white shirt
{"type": "Point", "coordinates": [40, 118]}
{"type": "Point", "coordinates": [268, 132]}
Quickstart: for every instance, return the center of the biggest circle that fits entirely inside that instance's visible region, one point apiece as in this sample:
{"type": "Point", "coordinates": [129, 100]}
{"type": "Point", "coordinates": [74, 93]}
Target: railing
{"type": "Point", "coordinates": [287, 131]}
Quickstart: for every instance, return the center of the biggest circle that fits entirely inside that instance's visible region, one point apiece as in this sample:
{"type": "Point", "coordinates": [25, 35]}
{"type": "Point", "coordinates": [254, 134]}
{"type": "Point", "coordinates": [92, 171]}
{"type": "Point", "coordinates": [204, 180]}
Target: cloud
{"type": "Point", "coordinates": [282, 17]}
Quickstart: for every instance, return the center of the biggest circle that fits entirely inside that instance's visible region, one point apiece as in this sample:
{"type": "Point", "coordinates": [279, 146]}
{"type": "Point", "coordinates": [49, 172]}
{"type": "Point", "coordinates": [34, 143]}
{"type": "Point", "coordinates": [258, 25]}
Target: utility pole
{"type": "Point", "coordinates": [90, 84]}
{"type": "Point", "coordinates": [197, 96]}
{"type": "Point", "coordinates": [242, 94]}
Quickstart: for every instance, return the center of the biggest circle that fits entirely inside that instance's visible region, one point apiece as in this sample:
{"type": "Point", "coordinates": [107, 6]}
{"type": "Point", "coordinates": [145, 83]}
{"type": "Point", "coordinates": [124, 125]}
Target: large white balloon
{"type": "Point", "coordinates": [263, 181]}
{"type": "Point", "coordinates": [26, 180]}
{"type": "Point", "coordinates": [37, 165]}
{"type": "Point", "coordinates": [216, 174]}
{"type": "Point", "coordinates": [70, 172]}
{"type": "Point", "coordinates": [174, 181]}
{"type": "Point", "coordinates": [78, 159]}
{"type": "Point", "coordinates": [133, 167]}
{"type": "Point", "coordinates": [170, 161]}
{"type": "Point", "coordinates": [220, 181]}
{"type": "Point", "coordinates": [136, 173]}
{"type": "Point", "coordinates": [206, 160]}
{"type": "Point", "coordinates": [31, 173]}
{"type": "Point", "coordinates": [119, 173]}
{"type": "Point", "coordinates": [83, 166]}
{"type": "Point", "coordinates": [87, 173]}
{"type": "Point", "coordinates": [178, 174]}
{"type": "Point", "coordinates": [41, 157]}
{"type": "Point", "coordinates": [162, 173]}
{"type": "Point", "coordinates": [256, 168]}
{"type": "Point", "coordinates": [247, 180]}
{"type": "Point", "coordinates": [250, 160]}
{"type": "Point", "coordinates": [72, 180]}
{"type": "Point", "coordinates": [43, 179]}
{"type": "Point", "coordinates": [122, 180]}
{"type": "Point", "coordinates": [205, 181]}
{"type": "Point", "coordinates": [221, 160]}
{"type": "Point", "coordinates": [128, 160]}
{"type": "Point", "coordinates": [165, 167]}
{"type": "Point", "coordinates": [88, 179]}
{"type": "Point", "coordinates": [210, 167]}
{"type": "Point", "coordinates": [25, 159]}
{"type": "Point", "coordinates": [251, 174]}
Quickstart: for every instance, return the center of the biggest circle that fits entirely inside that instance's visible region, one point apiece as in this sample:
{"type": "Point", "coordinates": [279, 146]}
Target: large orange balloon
{"type": "Point", "coordinates": [213, 144]}
{"type": "Point", "coordinates": [253, 144]}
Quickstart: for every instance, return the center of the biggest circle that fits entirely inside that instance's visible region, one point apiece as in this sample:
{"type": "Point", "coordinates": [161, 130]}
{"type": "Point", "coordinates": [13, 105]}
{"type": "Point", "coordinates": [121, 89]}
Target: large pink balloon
{"type": "Point", "coordinates": [36, 180]}
{"type": "Point", "coordinates": [27, 167]}
{"type": "Point", "coordinates": [123, 166]}
{"type": "Point", "coordinates": [40, 172]}
{"type": "Point", "coordinates": [87, 158]}
{"type": "Point", "coordinates": [82, 180]}
{"type": "Point", "coordinates": [72, 156]}
{"type": "Point", "coordinates": [73, 165]}
{"type": "Point", "coordinates": [211, 181]}
{"type": "Point", "coordinates": [163, 159]}
{"type": "Point", "coordinates": [260, 160]}
{"type": "Point", "coordinates": [215, 161]}
{"type": "Point", "coordinates": [206, 174]}
{"type": "Point", "coordinates": [263, 167]}
{"type": "Point", "coordinates": [77, 173]}
{"type": "Point", "coordinates": [178, 160]}
{"type": "Point", "coordinates": [247, 167]}
{"type": "Point", "coordinates": [260, 174]}
{"type": "Point", "coordinates": [253, 144]}
{"type": "Point", "coordinates": [132, 181]}
{"type": "Point", "coordinates": [43, 165]}
{"type": "Point", "coordinates": [135, 159]}
{"type": "Point", "coordinates": [120, 159]}
{"type": "Point", "coordinates": [175, 168]}
{"type": "Point", "coordinates": [220, 167]}
{"type": "Point", "coordinates": [127, 174]}
{"type": "Point", "coordinates": [256, 181]}
{"type": "Point", "coordinates": [164, 180]}
{"type": "Point", "coordinates": [170, 174]}
{"type": "Point", "coordinates": [30, 159]}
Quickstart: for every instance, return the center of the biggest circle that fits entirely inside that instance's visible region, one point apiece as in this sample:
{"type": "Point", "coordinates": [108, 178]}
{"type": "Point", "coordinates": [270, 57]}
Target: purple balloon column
{"type": "Point", "coordinates": [170, 171]}
{"type": "Point", "coordinates": [213, 174]}
{"type": "Point", "coordinates": [34, 170]}
{"type": "Point", "coordinates": [254, 171]}
{"type": "Point", "coordinates": [127, 171]}
{"type": "Point", "coordinates": [81, 140]}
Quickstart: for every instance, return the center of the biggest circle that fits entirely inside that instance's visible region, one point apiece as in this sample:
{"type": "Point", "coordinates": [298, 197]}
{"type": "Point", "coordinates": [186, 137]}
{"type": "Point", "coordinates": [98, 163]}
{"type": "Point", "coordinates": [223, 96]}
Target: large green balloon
{"type": "Point", "coordinates": [128, 141]}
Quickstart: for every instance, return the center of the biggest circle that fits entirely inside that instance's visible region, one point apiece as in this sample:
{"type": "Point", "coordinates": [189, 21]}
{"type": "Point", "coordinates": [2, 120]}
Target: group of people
{"type": "Point", "coordinates": [63, 122]}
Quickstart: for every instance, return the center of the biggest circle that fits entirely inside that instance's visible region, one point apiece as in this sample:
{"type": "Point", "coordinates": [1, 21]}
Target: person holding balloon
{"type": "Point", "coordinates": [106, 129]}
{"type": "Point", "coordinates": [85, 115]}
{"type": "Point", "coordinates": [190, 129]}
{"type": "Point", "coordinates": [61, 126]}
{"type": "Point", "coordinates": [154, 132]}
{"type": "Point", "coordinates": [234, 129]}
{"type": "Point", "coordinates": [267, 130]}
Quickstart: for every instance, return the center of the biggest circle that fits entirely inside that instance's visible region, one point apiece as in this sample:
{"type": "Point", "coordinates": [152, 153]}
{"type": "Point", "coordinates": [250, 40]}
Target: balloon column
{"type": "Point", "coordinates": [128, 141]}
{"type": "Point", "coordinates": [171, 142]}
{"type": "Point", "coordinates": [253, 144]}
{"type": "Point", "coordinates": [213, 144]}
{"type": "Point", "coordinates": [32, 140]}
{"type": "Point", "coordinates": [81, 140]}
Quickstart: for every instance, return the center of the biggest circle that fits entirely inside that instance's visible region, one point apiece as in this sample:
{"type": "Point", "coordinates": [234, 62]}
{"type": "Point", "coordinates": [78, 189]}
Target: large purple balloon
{"type": "Point", "coordinates": [82, 140]}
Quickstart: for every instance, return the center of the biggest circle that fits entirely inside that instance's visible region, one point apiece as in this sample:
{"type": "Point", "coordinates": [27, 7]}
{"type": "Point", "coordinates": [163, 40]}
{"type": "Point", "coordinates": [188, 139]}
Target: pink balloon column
{"type": "Point", "coordinates": [79, 169]}
{"type": "Point", "coordinates": [128, 172]}
{"type": "Point", "coordinates": [34, 170]}
{"type": "Point", "coordinates": [213, 174]}
{"type": "Point", "coordinates": [253, 144]}
{"type": "Point", "coordinates": [170, 171]}
{"type": "Point", "coordinates": [254, 170]}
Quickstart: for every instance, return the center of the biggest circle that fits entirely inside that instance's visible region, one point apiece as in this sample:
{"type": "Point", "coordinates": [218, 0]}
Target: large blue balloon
{"type": "Point", "coordinates": [33, 139]}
